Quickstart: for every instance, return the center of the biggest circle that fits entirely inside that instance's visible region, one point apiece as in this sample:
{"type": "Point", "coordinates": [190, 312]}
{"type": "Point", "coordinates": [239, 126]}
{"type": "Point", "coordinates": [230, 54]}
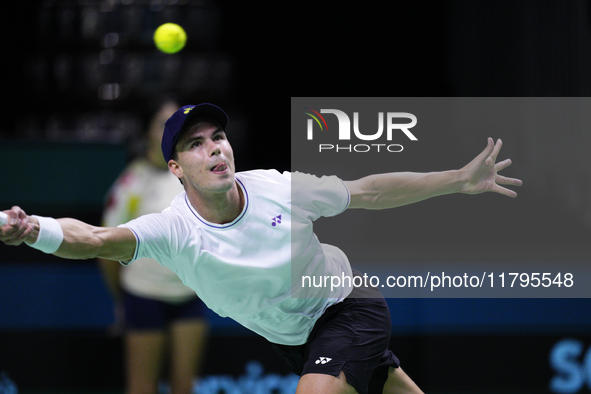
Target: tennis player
{"type": "Point", "coordinates": [237, 238]}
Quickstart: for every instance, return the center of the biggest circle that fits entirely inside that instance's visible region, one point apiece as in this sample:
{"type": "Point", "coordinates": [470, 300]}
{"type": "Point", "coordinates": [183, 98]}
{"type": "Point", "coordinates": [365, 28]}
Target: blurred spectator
{"type": "Point", "coordinates": [162, 317]}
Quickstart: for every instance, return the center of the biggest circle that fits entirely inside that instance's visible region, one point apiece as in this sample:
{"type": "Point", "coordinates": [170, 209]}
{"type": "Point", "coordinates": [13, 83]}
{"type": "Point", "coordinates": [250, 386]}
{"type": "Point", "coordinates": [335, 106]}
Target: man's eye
{"type": "Point", "coordinates": [197, 143]}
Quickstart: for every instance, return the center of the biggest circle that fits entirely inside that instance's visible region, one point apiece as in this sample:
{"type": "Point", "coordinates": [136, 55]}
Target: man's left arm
{"type": "Point", "coordinates": [382, 191]}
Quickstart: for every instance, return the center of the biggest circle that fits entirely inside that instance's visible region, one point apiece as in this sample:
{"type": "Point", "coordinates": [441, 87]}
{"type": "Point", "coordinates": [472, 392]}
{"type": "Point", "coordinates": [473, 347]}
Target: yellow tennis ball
{"type": "Point", "coordinates": [170, 38]}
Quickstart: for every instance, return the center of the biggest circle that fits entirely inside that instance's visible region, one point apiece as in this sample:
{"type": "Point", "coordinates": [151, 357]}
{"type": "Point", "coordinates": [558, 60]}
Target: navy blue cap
{"type": "Point", "coordinates": [175, 123]}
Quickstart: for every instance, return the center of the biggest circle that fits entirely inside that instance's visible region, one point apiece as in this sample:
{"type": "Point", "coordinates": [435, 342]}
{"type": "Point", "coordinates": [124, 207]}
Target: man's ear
{"type": "Point", "coordinates": [175, 168]}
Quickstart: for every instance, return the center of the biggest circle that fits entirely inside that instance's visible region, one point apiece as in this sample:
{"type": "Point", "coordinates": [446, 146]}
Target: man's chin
{"type": "Point", "coordinates": [223, 184]}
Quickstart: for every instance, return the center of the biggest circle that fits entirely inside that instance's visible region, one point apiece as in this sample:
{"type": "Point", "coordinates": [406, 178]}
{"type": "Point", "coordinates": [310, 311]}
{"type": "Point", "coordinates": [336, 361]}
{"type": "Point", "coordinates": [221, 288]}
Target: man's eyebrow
{"type": "Point", "coordinates": [192, 138]}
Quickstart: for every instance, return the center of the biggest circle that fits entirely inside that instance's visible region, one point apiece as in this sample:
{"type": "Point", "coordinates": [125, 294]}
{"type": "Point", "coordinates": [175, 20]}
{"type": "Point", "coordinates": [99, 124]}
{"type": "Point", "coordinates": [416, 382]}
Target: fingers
{"type": "Point", "coordinates": [12, 217]}
{"type": "Point", "coordinates": [489, 147]}
{"type": "Point", "coordinates": [15, 214]}
{"type": "Point", "coordinates": [496, 149]}
{"type": "Point", "coordinates": [17, 228]}
{"type": "Point", "coordinates": [502, 180]}
{"type": "Point", "coordinates": [503, 164]}
{"type": "Point", "coordinates": [490, 153]}
{"type": "Point", "coordinates": [17, 231]}
{"type": "Point", "coordinates": [504, 191]}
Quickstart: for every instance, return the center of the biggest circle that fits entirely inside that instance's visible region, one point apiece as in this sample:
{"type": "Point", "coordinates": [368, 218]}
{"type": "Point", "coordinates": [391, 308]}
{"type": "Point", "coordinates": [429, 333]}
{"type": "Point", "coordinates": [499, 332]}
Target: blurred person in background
{"type": "Point", "coordinates": [163, 320]}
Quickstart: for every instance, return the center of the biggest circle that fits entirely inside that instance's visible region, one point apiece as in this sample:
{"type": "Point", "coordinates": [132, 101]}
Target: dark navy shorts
{"type": "Point", "coordinates": [352, 336]}
{"type": "Point", "coordinates": [145, 313]}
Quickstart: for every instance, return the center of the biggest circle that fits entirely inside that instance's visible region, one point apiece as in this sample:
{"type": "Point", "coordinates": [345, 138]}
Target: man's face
{"type": "Point", "coordinates": [205, 160]}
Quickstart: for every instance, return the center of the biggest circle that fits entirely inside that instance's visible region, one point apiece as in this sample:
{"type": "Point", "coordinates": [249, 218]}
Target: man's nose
{"type": "Point", "coordinates": [213, 148]}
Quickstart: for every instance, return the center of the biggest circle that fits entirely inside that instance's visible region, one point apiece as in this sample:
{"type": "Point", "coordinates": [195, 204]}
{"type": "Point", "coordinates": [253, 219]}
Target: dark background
{"type": "Point", "coordinates": [59, 102]}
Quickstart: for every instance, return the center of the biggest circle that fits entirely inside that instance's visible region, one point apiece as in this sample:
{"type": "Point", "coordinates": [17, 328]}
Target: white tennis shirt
{"type": "Point", "coordinates": [250, 269]}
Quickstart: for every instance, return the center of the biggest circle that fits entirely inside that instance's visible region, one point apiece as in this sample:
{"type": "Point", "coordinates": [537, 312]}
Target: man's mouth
{"type": "Point", "coordinates": [220, 167]}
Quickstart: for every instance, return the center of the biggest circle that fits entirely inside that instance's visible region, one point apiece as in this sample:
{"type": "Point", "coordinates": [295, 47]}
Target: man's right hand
{"type": "Point", "coordinates": [18, 228]}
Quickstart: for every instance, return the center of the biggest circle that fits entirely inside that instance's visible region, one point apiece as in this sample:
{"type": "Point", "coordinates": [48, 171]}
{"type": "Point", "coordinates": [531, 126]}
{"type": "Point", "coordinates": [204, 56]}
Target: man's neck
{"type": "Point", "coordinates": [218, 208]}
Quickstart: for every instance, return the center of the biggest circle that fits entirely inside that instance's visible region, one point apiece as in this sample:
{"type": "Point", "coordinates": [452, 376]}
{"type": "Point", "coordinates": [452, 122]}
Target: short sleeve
{"type": "Point", "coordinates": [160, 236]}
{"type": "Point", "coordinates": [318, 196]}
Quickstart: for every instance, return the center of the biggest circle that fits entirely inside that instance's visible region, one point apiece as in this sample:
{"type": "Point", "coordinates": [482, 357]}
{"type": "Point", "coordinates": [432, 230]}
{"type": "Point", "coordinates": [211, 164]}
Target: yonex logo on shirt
{"type": "Point", "coordinates": [276, 221]}
{"type": "Point", "coordinates": [323, 360]}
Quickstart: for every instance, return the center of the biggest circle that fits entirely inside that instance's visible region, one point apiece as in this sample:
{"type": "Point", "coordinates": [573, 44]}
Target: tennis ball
{"type": "Point", "coordinates": [170, 38]}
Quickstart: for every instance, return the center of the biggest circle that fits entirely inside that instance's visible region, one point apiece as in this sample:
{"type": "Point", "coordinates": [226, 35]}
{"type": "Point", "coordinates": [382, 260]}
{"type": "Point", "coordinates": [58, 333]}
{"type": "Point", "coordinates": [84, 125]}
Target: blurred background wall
{"type": "Point", "coordinates": [80, 77]}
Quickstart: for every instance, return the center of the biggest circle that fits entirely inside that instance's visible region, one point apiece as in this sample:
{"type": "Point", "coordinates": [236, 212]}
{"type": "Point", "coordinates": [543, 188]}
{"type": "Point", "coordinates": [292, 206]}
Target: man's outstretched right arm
{"type": "Point", "coordinates": [78, 239]}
